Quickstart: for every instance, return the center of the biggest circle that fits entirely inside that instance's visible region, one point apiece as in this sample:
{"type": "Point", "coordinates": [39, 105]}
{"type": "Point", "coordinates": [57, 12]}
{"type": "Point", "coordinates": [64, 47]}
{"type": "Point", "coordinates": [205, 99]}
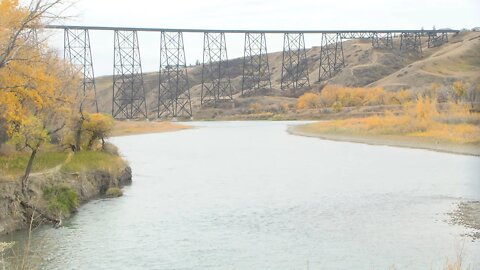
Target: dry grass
{"type": "Point", "coordinates": [123, 128]}
{"type": "Point", "coordinates": [419, 120]}
{"type": "Point", "coordinates": [13, 165]}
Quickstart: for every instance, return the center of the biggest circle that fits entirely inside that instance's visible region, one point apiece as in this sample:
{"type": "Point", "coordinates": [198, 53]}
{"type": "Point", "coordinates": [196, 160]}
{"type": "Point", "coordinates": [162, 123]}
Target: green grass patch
{"type": "Point", "coordinates": [15, 164]}
{"type": "Point", "coordinates": [93, 160]}
{"type": "Point", "coordinates": [61, 200]}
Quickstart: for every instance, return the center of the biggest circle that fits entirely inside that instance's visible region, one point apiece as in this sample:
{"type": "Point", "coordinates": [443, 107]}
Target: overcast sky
{"type": "Point", "coordinates": [250, 14]}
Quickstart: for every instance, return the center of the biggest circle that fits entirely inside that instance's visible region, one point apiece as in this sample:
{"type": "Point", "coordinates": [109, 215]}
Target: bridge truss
{"type": "Point", "coordinates": [128, 90]}
{"type": "Point", "coordinates": [256, 71]}
{"type": "Point", "coordinates": [78, 51]}
{"type": "Point", "coordinates": [173, 99]}
{"type": "Point", "coordinates": [294, 62]}
{"type": "Point", "coordinates": [216, 86]}
{"type": "Point", "coordinates": [174, 90]}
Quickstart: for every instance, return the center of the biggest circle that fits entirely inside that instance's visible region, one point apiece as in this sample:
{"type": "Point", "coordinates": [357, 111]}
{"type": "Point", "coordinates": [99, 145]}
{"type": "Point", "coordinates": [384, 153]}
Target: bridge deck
{"type": "Point", "coordinates": [240, 31]}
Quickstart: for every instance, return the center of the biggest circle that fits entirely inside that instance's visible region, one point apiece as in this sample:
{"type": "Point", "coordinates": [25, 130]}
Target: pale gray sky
{"type": "Point", "coordinates": [250, 14]}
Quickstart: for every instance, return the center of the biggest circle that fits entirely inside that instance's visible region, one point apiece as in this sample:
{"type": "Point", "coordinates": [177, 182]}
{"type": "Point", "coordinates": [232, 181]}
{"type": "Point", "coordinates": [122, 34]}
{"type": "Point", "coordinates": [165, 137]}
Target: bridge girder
{"type": "Point", "coordinates": [331, 56]}
{"type": "Point", "coordinates": [294, 62]}
{"type": "Point", "coordinates": [78, 51]}
{"type": "Point", "coordinates": [216, 86]}
{"type": "Point", "coordinates": [173, 90]}
{"type": "Point", "coordinates": [128, 90]}
{"type": "Point", "coordinates": [256, 70]}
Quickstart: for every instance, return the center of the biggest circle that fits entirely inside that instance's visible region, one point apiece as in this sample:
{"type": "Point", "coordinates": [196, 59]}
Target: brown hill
{"type": "Point", "coordinates": [459, 59]}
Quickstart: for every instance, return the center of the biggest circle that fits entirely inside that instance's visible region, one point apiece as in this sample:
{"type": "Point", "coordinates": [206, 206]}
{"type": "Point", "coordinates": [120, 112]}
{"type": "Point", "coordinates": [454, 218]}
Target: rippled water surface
{"type": "Point", "coordinates": [250, 196]}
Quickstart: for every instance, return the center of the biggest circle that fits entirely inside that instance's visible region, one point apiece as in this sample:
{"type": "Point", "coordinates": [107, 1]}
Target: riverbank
{"type": "Point", "coordinates": [125, 128]}
{"type": "Point", "coordinates": [56, 193]}
{"type": "Point", "coordinates": [315, 130]}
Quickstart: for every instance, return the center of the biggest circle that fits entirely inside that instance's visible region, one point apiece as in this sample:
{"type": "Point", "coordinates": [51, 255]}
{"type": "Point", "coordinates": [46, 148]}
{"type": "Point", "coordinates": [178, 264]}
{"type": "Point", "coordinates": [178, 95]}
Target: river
{"type": "Point", "coordinates": [250, 196]}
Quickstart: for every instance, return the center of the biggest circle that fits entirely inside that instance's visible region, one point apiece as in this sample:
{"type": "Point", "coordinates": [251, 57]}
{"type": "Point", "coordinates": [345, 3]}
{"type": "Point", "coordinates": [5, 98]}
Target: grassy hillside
{"type": "Point", "coordinates": [459, 59]}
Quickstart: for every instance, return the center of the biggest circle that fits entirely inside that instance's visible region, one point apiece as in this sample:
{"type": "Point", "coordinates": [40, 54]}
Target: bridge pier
{"type": "Point", "coordinates": [382, 40]}
{"type": "Point", "coordinates": [331, 56]}
{"type": "Point", "coordinates": [411, 42]}
{"type": "Point", "coordinates": [128, 91]}
{"type": "Point", "coordinates": [294, 62]}
{"type": "Point", "coordinates": [216, 86]}
{"type": "Point", "coordinates": [256, 71]}
{"type": "Point", "coordinates": [173, 90]}
{"type": "Point", "coordinates": [78, 51]}
{"type": "Point", "coordinates": [436, 40]}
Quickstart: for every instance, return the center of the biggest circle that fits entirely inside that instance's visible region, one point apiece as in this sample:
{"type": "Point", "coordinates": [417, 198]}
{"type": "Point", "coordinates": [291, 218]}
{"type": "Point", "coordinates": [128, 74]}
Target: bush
{"type": "Point", "coordinates": [309, 101]}
{"type": "Point", "coordinates": [332, 95]}
{"type": "Point", "coordinates": [61, 200]}
{"type": "Point", "coordinates": [113, 192]}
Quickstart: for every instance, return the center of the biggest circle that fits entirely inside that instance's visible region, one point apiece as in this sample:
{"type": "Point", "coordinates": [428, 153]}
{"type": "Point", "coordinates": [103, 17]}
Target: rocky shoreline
{"type": "Point", "coordinates": [16, 212]}
{"type": "Point", "coordinates": [467, 214]}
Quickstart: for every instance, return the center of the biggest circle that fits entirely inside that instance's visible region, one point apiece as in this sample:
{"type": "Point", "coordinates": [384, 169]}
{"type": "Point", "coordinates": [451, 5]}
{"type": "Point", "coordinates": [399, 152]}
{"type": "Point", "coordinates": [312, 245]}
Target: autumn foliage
{"type": "Point", "coordinates": [337, 97]}
{"type": "Point", "coordinates": [40, 101]}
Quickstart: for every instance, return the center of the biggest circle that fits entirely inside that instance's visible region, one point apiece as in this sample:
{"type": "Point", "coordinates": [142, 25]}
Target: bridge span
{"type": "Point", "coordinates": [173, 98]}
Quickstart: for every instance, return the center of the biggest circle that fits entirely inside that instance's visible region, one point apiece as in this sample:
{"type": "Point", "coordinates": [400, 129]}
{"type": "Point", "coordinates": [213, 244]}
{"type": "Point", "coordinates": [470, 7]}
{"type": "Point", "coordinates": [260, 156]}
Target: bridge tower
{"type": "Point", "coordinates": [331, 56]}
{"type": "Point", "coordinates": [382, 40]}
{"type": "Point", "coordinates": [437, 39]}
{"type": "Point", "coordinates": [411, 42]}
{"type": "Point", "coordinates": [294, 62]}
{"type": "Point", "coordinates": [216, 86]}
{"type": "Point", "coordinates": [256, 71]}
{"type": "Point", "coordinates": [173, 90]}
{"type": "Point", "coordinates": [128, 91]}
{"type": "Point", "coordinates": [77, 50]}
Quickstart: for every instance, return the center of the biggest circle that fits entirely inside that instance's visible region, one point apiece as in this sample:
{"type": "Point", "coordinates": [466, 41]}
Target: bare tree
{"type": "Point", "coordinates": [39, 12]}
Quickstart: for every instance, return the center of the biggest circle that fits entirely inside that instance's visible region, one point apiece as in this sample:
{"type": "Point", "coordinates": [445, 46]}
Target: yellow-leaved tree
{"type": "Point", "coordinates": [35, 94]}
{"type": "Point", "coordinates": [98, 126]}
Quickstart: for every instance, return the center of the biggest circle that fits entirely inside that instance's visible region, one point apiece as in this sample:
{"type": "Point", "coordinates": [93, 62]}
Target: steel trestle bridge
{"type": "Point", "coordinates": [173, 98]}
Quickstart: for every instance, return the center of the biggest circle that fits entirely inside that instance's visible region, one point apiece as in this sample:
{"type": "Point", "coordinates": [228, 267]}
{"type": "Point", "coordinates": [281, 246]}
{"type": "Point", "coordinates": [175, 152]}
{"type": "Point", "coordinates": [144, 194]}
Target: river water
{"type": "Point", "coordinates": [250, 196]}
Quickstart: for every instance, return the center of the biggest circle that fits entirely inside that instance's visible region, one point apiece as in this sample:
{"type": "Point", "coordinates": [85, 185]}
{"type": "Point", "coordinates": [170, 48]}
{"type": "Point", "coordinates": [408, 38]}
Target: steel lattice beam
{"type": "Point", "coordinates": [437, 39]}
{"type": "Point", "coordinates": [173, 90]}
{"type": "Point", "coordinates": [382, 40]}
{"type": "Point", "coordinates": [128, 90]}
{"type": "Point", "coordinates": [294, 62]}
{"type": "Point", "coordinates": [331, 56]}
{"type": "Point", "coordinates": [78, 51]}
{"type": "Point", "coordinates": [411, 42]}
{"type": "Point", "coordinates": [256, 71]}
{"type": "Point", "coordinates": [216, 86]}
{"type": "Point", "coordinates": [356, 35]}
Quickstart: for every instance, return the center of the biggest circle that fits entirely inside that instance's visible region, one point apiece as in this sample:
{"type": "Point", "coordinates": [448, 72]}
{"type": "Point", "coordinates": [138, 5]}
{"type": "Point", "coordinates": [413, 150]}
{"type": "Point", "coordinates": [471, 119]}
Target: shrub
{"type": "Point", "coordinates": [308, 101]}
{"type": "Point", "coordinates": [61, 200]}
{"type": "Point", "coordinates": [256, 107]}
{"type": "Point", "coordinates": [333, 95]}
{"type": "Point", "coordinates": [113, 192]}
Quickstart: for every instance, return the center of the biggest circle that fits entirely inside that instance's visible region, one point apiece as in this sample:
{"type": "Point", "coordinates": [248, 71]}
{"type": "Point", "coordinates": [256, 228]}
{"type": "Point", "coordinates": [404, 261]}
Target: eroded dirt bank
{"type": "Point", "coordinates": [16, 211]}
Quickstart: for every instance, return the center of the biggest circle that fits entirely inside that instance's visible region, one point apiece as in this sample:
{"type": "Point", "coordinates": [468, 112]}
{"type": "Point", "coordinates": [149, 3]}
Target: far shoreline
{"type": "Point", "coordinates": [390, 140]}
{"type": "Point", "coordinates": [133, 127]}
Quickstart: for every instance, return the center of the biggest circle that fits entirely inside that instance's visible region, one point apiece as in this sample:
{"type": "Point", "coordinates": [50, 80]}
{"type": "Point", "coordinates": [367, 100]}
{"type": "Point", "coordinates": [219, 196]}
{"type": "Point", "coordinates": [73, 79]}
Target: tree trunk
{"type": "Point", "coordinates": [91, 141]}
{"type": "Point", "coordinates": [78, 135]}
{"type": "Point", "coordinates": [27, 171]}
